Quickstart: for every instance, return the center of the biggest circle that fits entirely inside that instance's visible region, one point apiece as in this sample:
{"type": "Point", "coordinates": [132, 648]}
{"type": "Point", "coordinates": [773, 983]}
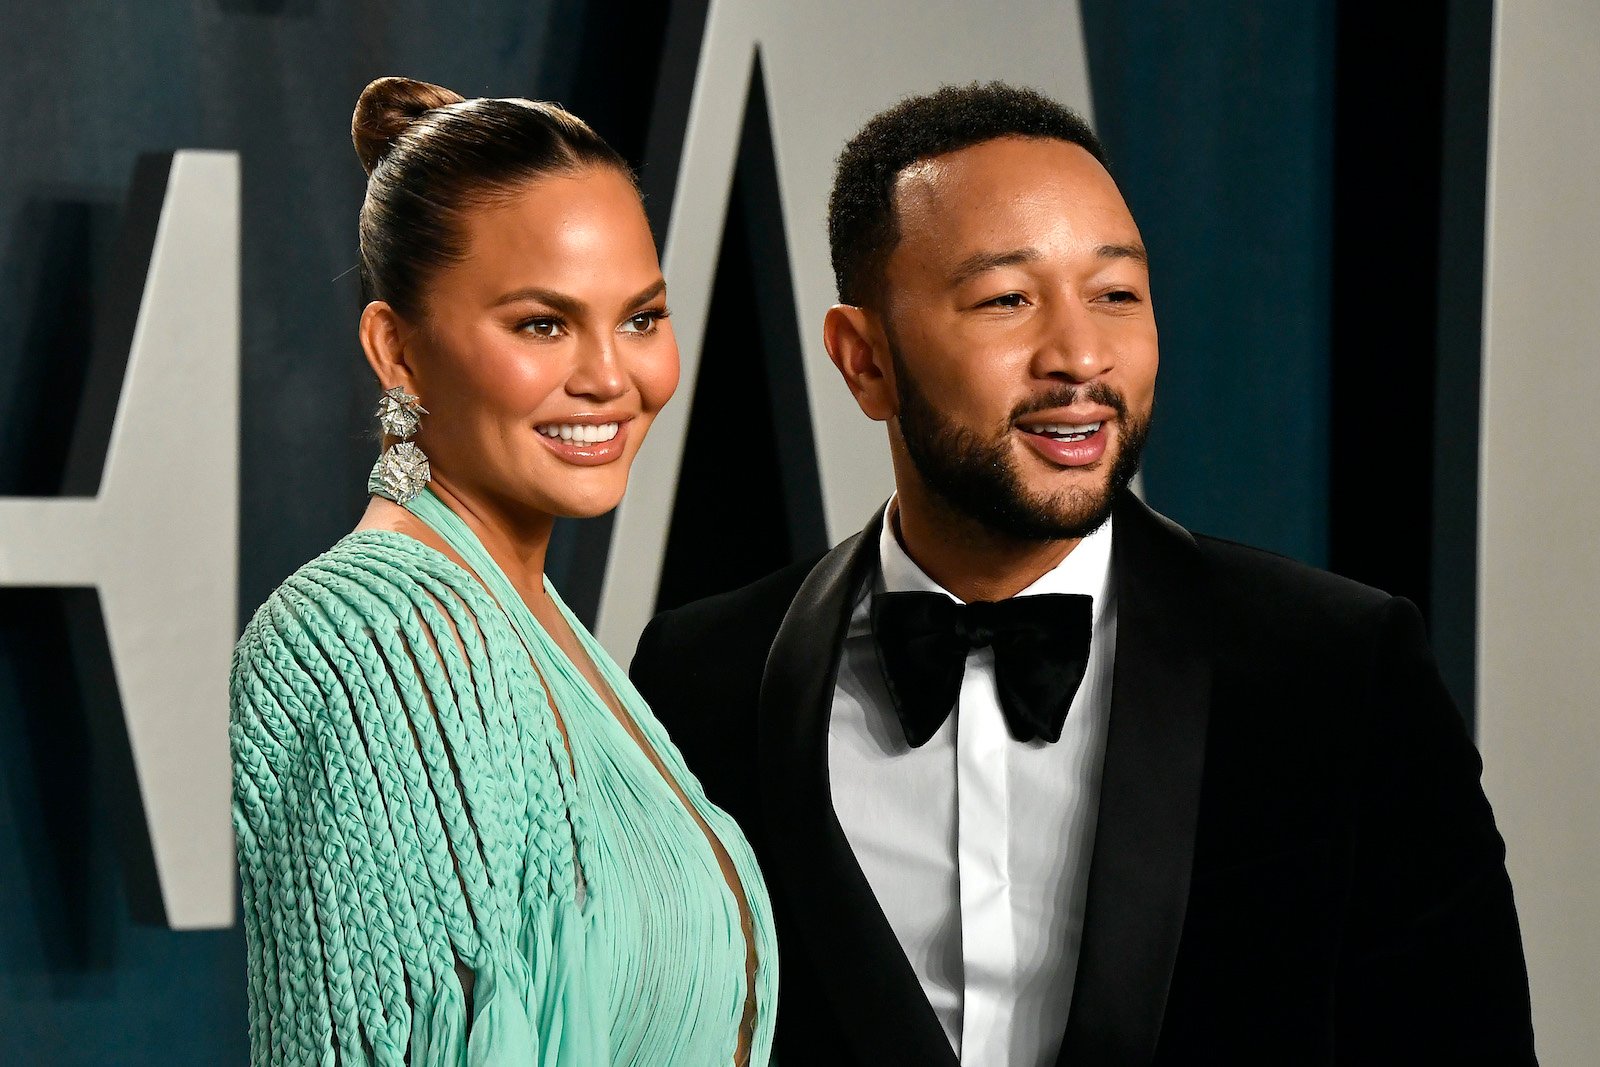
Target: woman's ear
{"type": "Point", "coordinates": [856, 343]}
{"type": "Point", "coordinates": [383, 338]}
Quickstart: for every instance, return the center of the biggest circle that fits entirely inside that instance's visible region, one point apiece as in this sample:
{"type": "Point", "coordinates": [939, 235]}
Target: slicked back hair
{"type": "Point", "coordinates": [430, 156]}
{"type": "Point", "coordinates": [863, 227]}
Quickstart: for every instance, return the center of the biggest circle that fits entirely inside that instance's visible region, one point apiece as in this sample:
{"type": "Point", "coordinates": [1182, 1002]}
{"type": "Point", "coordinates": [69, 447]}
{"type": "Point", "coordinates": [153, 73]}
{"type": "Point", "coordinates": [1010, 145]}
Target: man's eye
{"type": "Point", "coordinates": [1122, 296]}
{"type": "Point", "coordinates": [544, 326]}
{"type": "Point", "coordinates": [1009, 300]}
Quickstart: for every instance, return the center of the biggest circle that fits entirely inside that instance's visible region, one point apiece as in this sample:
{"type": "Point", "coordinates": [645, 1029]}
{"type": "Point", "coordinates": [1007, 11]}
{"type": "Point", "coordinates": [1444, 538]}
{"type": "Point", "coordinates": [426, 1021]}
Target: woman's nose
{"type": "Point", "coordinates": [598, 372]}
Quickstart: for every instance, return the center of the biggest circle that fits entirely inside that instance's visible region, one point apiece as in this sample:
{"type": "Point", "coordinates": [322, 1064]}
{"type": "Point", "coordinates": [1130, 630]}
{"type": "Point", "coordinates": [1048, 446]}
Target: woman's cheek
{"type": "Point", "coordinates": [522, 385]}
{"type": "Point", "coordinates": [657, 378]}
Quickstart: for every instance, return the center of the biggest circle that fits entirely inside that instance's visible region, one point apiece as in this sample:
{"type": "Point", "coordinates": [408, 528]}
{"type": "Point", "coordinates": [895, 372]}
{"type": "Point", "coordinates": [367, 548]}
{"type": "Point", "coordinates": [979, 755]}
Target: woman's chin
{"type": "Point", "coordinates": [587, 512]}
{"type": "Point", "coordinates": [583, 506]}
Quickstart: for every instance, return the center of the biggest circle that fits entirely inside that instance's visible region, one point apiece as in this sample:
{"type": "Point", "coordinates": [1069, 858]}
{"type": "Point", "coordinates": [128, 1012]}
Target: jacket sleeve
{"type": "Point", "coordinates": [646, 671]}
{"type": "Point", "coordinates": [1433, 970]}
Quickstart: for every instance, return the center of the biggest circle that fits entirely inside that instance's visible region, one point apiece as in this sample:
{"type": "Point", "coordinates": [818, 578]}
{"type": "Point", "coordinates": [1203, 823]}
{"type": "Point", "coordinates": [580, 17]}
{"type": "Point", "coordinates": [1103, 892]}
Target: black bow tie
{"type": "Point", "coordinates": [1041, 650]}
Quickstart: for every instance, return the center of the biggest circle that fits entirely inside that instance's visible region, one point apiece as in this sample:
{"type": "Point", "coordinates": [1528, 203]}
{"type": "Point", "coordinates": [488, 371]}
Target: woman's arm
{"type": "Point", "coordinates": [391, 806]}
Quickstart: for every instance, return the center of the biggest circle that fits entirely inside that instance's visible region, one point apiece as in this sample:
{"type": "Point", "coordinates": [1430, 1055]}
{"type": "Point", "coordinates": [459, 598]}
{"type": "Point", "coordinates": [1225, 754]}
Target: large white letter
{"type": "Point", "coordinates": [829, 65]}
{"type": "Point", "coordinates": [160, 539]}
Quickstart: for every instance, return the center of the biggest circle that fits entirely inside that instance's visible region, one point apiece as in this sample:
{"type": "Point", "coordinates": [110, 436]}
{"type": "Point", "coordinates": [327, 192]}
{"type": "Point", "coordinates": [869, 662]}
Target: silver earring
{"type": "Point", "coordinates": [402, 471]}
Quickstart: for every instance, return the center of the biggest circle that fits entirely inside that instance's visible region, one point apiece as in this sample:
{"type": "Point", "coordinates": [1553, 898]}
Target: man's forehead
{"type": "Point", "coordinates": [921, 178]}
{"type": "Point", "coordinates": [978, 187]}
{"type": "Point", "coordinates": [1002, 161]}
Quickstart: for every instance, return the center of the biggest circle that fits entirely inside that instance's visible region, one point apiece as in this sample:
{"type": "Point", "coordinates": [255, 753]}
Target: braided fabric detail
{"type": "Point", "coordinates": [430, 875]}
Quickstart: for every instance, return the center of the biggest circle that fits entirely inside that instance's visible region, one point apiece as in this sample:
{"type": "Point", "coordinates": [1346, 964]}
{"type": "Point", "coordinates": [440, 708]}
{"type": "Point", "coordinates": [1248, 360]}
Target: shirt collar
{"type": "Point", "coordinates": [1086, 570]}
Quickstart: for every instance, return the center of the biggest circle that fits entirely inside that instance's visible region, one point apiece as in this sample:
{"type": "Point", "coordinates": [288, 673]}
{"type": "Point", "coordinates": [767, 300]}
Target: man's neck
{"type": "Point", "coordinates": [965, 557]}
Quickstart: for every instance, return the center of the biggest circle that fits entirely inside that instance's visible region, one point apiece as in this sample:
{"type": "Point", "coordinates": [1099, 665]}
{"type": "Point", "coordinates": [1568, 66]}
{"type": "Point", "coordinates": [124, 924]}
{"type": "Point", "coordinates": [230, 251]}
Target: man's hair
{"type": "Point", "coordinates": [862, 226]}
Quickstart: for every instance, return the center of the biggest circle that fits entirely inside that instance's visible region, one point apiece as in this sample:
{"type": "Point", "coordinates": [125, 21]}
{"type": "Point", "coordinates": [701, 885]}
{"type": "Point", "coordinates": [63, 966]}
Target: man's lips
{"type": "Point", "coordinates": [1074, 415]}
{"type": "Point", "coordinates": [1068, 444]}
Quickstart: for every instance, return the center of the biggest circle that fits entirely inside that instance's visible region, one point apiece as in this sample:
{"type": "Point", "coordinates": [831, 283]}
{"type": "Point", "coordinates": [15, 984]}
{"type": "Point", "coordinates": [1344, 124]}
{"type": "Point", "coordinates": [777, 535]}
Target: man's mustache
{"type": "Point", "coordinates": [1065, 396]}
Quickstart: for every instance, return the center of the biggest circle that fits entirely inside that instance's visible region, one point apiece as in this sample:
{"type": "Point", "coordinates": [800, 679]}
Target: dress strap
{"type": "Point", "coordinates": [567, 683]}
{"type": "Point", "coordinates": [439, 518]}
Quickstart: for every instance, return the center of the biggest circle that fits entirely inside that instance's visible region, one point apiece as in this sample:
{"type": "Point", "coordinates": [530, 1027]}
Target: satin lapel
{"type": "Point", "coordinates": [1149, 794]}
{"type": "Point", "coordinates": [870, 984]}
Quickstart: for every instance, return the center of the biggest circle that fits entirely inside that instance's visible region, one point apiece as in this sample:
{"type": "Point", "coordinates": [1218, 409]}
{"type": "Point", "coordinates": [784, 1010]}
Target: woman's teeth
{"type": "Point", "coordinates": [1066, 433]}
{"type": "Point", "coordinates": [580, 434]}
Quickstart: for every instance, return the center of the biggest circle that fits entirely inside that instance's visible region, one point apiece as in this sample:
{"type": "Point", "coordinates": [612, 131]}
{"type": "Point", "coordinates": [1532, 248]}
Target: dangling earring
{"type": "Point", "coordinates": [402, 471]}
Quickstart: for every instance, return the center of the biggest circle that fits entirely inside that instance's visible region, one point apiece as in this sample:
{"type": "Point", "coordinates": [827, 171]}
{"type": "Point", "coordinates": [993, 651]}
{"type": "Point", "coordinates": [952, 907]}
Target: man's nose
{"type": "Point", "coordinates": [1070, 346]}
{"type": "Point", "coordinates": [599, 372]}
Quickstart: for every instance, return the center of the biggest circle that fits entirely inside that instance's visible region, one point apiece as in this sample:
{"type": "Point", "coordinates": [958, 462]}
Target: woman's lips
{"type": "Point", "coordinates": [588, 453]}
{"type": "Point", "coordinates": [1070, 451]}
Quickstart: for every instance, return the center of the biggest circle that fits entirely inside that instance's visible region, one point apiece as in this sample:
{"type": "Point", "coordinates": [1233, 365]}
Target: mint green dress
{"type": "Point", "coordinates": [426, 881]}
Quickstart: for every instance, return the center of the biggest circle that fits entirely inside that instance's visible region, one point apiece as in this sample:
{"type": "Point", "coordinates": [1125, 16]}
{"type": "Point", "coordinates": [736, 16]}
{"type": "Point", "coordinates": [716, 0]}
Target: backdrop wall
{"type": "Point", "coordinates": [1243, 137]}
{"type": "Point", "coordinates": [1539, 674]}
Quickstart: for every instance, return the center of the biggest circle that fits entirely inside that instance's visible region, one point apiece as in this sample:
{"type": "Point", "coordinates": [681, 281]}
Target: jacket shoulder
{"type": "Point", "coordinates": [700, 665]}
{"type": "Point", "coordinates": [1240, 585]}
{"type": "Point", "coordinates": [1264, 602]}
{"type": "Point", "coordinates": [1259, 572]}
{"type": "Point", "coordinates": [752, 611]}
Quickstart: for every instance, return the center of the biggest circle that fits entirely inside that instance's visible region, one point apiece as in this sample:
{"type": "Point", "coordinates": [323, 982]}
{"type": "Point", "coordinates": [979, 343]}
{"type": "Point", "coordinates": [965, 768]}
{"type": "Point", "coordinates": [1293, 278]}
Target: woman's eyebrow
{"type": "Point", "coordinates": [572, 306]}
{"type": "Point", "coordinates": [567, 305]}
{"type": "Point", "coordinates": [648, 293]}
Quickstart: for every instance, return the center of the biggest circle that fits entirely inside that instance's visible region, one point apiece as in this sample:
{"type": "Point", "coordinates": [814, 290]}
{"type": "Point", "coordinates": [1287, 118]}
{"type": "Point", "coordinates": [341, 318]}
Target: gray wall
{"type": "Point", "coordinates": [1539, 589]}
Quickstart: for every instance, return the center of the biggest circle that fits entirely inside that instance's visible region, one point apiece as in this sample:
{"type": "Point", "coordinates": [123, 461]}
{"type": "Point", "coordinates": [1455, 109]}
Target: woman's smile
{"type": "Point", "coordinates": [586, 441]}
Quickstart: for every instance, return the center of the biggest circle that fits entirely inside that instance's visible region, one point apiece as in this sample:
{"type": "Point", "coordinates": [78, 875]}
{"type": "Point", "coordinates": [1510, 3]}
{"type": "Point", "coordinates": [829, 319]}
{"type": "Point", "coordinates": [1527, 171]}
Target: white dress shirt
{"type": "Point", "coordinates": [977, 846]}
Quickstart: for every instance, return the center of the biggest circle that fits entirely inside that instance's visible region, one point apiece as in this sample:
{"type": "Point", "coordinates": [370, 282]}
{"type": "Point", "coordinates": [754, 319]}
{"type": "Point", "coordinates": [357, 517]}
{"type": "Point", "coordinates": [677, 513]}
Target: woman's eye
{"type": "Point", "coordinates": [544, 327]}
{"type": "Point", "coordinates": [644, 322]}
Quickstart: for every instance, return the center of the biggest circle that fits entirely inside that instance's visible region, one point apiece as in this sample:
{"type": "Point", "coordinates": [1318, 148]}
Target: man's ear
{"type": "Point", "coordinates": [856, 343]}
{"type": "Point", "coordinates": [383, 338]}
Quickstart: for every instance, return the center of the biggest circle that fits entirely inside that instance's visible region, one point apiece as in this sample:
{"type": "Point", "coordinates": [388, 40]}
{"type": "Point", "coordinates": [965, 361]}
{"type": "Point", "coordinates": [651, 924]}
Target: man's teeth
{"type": "Point", "coordinates": [579, 433]}
{"type": "Point", "coordinates": [1067, 433]}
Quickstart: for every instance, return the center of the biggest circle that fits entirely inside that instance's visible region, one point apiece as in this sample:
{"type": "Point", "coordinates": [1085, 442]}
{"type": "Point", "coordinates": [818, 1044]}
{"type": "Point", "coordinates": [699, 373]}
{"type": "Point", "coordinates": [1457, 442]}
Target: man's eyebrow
{"type": "Point", "coordinates": [979, 262]}
{"type": "Point", "coordinates": [1134, 252]}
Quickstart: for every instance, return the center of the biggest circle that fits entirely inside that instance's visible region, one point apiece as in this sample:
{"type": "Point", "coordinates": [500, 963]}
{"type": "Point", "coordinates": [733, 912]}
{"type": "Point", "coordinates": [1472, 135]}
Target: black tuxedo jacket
{"type": "Point", "coordinates": [1293, 864]}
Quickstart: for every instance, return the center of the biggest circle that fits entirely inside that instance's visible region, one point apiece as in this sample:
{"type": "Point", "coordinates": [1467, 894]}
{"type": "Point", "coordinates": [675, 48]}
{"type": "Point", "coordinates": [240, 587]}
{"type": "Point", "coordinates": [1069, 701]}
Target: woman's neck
{"type": "Point", "coordinates": [517, 539]}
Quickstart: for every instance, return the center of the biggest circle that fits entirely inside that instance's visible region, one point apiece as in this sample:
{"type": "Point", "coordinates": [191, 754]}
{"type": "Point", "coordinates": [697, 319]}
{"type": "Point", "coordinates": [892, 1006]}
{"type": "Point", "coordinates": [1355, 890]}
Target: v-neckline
{"type": "Point", "coordinates": [616, 707]}
{"type": "Point", "coordinates": [467, 544]}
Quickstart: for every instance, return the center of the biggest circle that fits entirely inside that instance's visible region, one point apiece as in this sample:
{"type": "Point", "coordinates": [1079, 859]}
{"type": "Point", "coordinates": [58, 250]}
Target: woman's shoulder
{"type": "Point", "coordinates": [378, 616]}
{"type": "Point", "coordinates": [367, 585]}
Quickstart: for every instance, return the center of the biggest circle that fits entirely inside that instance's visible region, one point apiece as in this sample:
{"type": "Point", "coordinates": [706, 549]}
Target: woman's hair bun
{"type": "Point", "coordinates": [386, 107]}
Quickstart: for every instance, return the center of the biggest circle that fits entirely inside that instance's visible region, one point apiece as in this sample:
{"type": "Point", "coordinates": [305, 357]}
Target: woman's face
{"type": "Point", "coordinates": [545, 354]}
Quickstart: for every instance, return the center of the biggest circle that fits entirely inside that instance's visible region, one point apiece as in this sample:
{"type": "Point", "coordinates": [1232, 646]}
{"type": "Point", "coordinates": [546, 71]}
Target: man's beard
{"type": "Point", "coordinates": [977, 477]}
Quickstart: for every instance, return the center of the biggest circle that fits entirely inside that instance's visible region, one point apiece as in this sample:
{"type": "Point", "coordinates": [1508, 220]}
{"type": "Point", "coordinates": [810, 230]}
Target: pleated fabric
{"type": "Point", "coordinates": [425, 879]}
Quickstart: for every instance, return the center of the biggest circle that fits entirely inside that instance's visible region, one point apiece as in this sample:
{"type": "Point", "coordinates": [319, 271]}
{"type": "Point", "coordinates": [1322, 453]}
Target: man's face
{"type": "Point", "coordinates": [1017, 311]}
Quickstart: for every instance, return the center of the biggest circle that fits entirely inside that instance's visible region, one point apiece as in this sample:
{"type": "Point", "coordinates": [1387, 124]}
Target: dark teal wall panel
{"type": "Point", "coordinates": [1218, 121]}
